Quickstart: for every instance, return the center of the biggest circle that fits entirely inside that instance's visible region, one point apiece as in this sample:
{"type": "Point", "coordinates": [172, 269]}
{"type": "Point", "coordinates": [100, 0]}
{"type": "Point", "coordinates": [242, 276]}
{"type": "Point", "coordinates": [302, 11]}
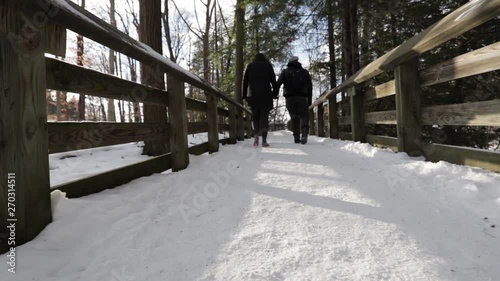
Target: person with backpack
{"type": "Point", "coordinates": [259, 88]}
{"type": "Point", "coordinates": [298, 94]}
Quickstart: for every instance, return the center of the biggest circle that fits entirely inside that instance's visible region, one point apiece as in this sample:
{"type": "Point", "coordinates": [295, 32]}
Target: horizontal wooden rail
{"type": "Point", "coordinates": [381, 117]}
{"type": "Point", "coordinates": [463, 156]}
{"type": "Point", "coordinates": [476, 62]}
{"type": "Point", "coordinates": [345, 136]}
{"type": "Point", "coordinates": [381, 91]}
{"type": "Point", "coordinates": [74, 136]}
{"type": "Point", "coordinates": [224, 127]}
{"type": "Point", "coordinates": [456, 23]}
{"type": "Point", "coordinates": [115, 177]}
{"type": "Point", "coordinates": [63, 76]}
{"type": "Point", "coordinates": [74, 17]}
{"type": "Point", "coordinates": [383, 142]}
{"type": "Point", "coordinates": [201, 106]}
{"type": "Point", "coordinates": [344, 120]}
{"type": "Point", "coordinates": [197, 127]}
{"type": "Point", "coordinates": [483, 113]}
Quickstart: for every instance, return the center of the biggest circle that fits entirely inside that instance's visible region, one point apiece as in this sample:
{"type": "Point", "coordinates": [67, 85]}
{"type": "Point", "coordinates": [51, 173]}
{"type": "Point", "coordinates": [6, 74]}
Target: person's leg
{"type": "Point", "coordinates": [304, 119]}
{"type": "Point", "coordinates": [264, 124]}
{"type": "Point", "coordinates": [295, 117]}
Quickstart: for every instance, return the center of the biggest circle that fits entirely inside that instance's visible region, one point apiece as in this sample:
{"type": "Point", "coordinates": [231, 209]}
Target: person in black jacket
{"type": "Point", "coordinates": [298, 94]}
{"type": "Point", "coordinates": [259, 90]}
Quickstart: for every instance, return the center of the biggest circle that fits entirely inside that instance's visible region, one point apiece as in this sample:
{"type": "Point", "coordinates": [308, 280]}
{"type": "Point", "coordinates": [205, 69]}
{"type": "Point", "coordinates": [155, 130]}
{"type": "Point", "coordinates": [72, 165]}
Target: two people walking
{"type": "Point", "coordinates": [260, 88]}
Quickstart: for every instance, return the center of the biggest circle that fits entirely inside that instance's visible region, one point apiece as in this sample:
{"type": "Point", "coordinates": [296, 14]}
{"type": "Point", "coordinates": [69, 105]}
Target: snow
{"type": "Point", "coordinates": [328, 210]}
{"type": "Point", "coordinates": [78, 164]}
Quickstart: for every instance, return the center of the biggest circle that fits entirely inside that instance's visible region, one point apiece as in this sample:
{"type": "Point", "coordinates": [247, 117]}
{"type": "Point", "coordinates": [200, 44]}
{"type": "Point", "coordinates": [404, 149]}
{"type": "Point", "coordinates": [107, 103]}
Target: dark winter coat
{"type": "Point", "coordinates": [285, 78]}
{"type": "Point", "coordinates": [259, 83]}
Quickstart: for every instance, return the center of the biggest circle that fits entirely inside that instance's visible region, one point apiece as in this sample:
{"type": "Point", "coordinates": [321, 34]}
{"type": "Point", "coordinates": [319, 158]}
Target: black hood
{"type": "Point", "coordinates": [260, 57]}
{"type": "Point", "coordinates": [294, 64]}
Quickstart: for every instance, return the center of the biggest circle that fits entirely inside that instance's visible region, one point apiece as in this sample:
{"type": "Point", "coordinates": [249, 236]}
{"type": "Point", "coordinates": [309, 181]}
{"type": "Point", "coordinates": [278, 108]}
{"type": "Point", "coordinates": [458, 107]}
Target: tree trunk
{"type": "Point", "coordinates": [331, 44]}
{"type": "Point", "coordinates": [365, 40]}
{"type": "Point", "coordinates": [150, 34]}
{"type": "Point", "coordinates": [240, 43]}
{"type": "Point", "coordinates": [79, 61]}
{"type": "Point", "coordinates": [112, 61]}
{"type": "Point", "coordinates": [353, 11]}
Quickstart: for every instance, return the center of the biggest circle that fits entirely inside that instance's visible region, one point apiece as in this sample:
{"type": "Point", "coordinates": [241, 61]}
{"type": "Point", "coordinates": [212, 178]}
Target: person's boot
{"type": "Point", "coordinates": [304, 139]}
{"type": "Point", "coordinates": [305, 130]}
{"type": "Point", "coordinates": [256, 140]}
{"type": "Point", "coordinates": [264, 139]}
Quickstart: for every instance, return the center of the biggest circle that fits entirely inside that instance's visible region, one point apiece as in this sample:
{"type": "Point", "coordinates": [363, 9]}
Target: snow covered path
{"type": "Point", "coordinates": [328, 210]}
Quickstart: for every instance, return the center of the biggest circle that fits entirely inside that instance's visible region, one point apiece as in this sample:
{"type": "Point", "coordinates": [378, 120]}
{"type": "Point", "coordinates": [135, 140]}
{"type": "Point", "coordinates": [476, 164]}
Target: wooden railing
{"type": "Point", "coordinates": [28, 30]}
{"type": "Point", "coordinates": [410, 116]}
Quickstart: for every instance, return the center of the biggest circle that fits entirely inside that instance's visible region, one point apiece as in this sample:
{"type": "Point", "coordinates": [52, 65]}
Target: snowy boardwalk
{"type": "Point", "coordinates": [328, 210]}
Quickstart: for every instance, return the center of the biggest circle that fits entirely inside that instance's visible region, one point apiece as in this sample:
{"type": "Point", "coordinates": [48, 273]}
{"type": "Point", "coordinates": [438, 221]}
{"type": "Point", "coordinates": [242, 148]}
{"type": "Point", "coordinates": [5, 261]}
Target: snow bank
{"type": "Point", "coordinates": [328, 210]}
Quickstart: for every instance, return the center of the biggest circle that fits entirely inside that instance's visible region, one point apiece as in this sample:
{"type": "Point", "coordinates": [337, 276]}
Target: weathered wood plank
{"type": "Point", "coordinates": [476, 62]}
{"type": "Point", "coordinates": [178, 124]}
{"type": "Point", "coordinates": [24, 165]}
{"type": "Point", "coordinates": [483, 113]}
{"type": "Point", "coordinates": [463, 19]}
{"type": "Point", "coordinates": [383, 142]}
{"type": "Point", "coordinates": [201, 106]}
{"type": "Point", "coordinates": [67, 77]}
{"type": "Point", "coordinates": [248, 121]}
{"type": "Point", "coordinates": [381, 91]}
{"type": "Point", "coordinates": [345, 120]}
{"type": "Point", "coordinates": [199, 149]}
{"type": "Point", "coordinates": [197, 127]}
{"type": "Point", "coordinates": [55, 35]}
{"type": "Point", "coordinates": [408, 110]}
{"type": "Point", "coordinates": [381, 117]}
{"type": "Point", "coordinates": [212, 123]}
{"type": "Point", "coordinates": [74, 136]}
{"type": "Point", "coordinates": [224, 127]}
{"type": "Point", "coordinates": [333, 119]}
{"type": "Point", "coordinates": [345, 136]}
{"type": "Point", "coordinates": [463, 156]}
{"type": "Point", "coordinates": [357, 115]}
{"type": "Point", "coordinates": [115, 177]}
{"type": "Point", "coordinates": [321, 120]}
{"type": "Point", "coordinates": [56, 40]}
{"type": "Point", "coordinates": [232, 125]}
{"type": "Point", "coordinates": [312, 122]}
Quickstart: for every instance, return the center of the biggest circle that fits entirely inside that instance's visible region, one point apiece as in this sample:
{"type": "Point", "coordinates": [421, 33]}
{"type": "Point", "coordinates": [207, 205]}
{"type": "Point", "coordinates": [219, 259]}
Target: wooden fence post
{"type": "Point", "coordinates": [233, 130]}
{"type": "Point", "coordinates": [408, 108]}
{"type": "Point", "coordinates": [333, 118]}
{"type": "Point", "coordinates": [178, 124]}
{"type": "Point", "coordinates": [249, 125]}
{"type": "Point", "coordinates": [312, 127]}
{"type": "Point", "coordinates": [213, 123]}
{"type": "Point", "coordinates": [24, 164]}
{"type": "Point", "coordinates": [241, 125]}
{"type": "Point", "coordinates": [321, 120]}
{"type": "Point", "coordinates": [357, 115]}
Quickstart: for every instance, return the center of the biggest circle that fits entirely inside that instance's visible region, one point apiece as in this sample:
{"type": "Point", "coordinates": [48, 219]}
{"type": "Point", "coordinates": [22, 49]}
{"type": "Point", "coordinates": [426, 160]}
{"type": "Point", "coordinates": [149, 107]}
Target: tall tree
{"type": "Point", "coordinates": [239, 45]}
{"type": "Point", "coordinates": [150, 31]}
{"type": "Point", "coordinates": [112, 61]}
{"type": "Point", "coordinates": [79, 61]}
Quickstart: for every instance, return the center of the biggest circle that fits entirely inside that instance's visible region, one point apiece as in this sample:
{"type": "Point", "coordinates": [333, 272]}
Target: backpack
{"type": "Point", "coordinates": [296, 81]}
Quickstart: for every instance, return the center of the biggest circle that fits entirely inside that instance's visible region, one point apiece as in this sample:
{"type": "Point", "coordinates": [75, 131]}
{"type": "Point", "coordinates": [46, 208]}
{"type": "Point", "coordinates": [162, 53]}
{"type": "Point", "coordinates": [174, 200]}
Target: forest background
{"type": "Point", "coordinates": [216, 39]}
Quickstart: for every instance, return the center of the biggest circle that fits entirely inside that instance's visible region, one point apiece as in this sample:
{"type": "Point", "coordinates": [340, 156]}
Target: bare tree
{"type": "Point", "coordinates": [112, 61]}
{"type": "Point", "coordinates": [150, 34]}
{"type": "Point", "coordinates": [79, 61]}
